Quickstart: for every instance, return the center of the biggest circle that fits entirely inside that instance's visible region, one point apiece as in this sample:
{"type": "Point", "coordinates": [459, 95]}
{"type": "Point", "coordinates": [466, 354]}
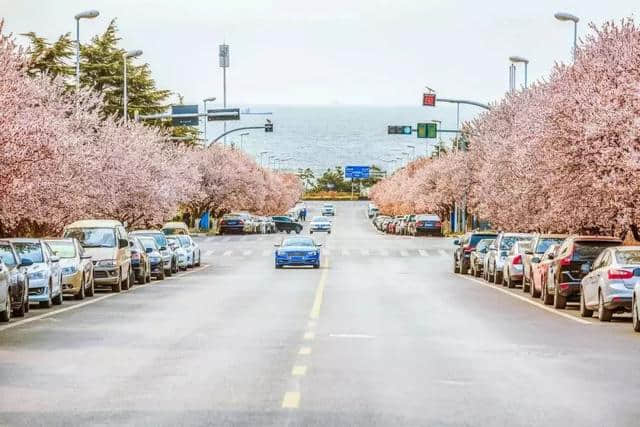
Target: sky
{"type": "Point", "coordinates": [349, 52]}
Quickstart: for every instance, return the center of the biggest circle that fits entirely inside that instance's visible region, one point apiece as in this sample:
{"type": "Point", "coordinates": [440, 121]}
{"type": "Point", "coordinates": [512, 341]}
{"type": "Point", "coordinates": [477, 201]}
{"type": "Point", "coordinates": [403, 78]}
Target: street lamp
{"type": "Point", "coordinates": [261, 154]}
{"type": "Point", "coordinates": [125, 56]}
{"type": "Point", "coordinates": [439, 123]}
{"type": "Point", "coordinates": [413, 150]}
{"type": "Point", "coordinates": [206, 119]}
{"type": "Point", "coordinates": [525, 61]}
{"type": "Point", "coordinates": [562, 16]}
{"type": "Point", "coordinates": [89, 14]}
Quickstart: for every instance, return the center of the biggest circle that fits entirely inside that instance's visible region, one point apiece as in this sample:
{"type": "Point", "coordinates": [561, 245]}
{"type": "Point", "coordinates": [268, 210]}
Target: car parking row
{"type": "Point", "coordinates": [90, 255]}
{"type": "Point", "coordinates": [408, 225]}
{"type": "Point", "coordinates": [597, 273]}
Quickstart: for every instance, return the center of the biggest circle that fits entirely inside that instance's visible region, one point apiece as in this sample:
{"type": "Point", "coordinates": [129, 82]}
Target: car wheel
{"type": "Point", "coordinates": [584, 311]}
{"type": "Point", "coordinates": [143, 277]}
{"type": "Point", "coordinates": [497, 277]}
{"type": "Point", "coordinates": [175, 267]}
{"type": "Point", "coordinates": [20, 312]}
{"type": "Point", "coordinates": [198, 263]}
{"type": "Point", "coordinates": [278, 266]}
{"type": "Point", "coordinates": [546, 298]}
{"type": "Point", "coordinates": [5, 316]}
{"type": "Point", "coordinates": [510, 283]}
{"type": "Point", "coordinates": [604, 314]}
{"type": "Point", "coordinates": [117, 287]}
{"type": "Point", "coordinates": [288, 231]}
{"type": "Point", "coordinates": [161, 275]}
{"type": "Point", "coordinates": [525, 284]}
{"type": "Point", "coordinates": [316, 265]}
{"type": "Point", "coordinates": [48, 302]}
{"type": "Point", "coordinates": [559, 301]}
{"type": "Point", "coordinates": [91, 290]}
{"type": "Point", "coordinates": [148, 278]}
{"type": "Point", "coordinates": [310, 232]}
{"type": "Point", "coordinates": [58, 299]}
{"type": "Point", "coordinates": [26, 300]}
{"type": "Point", "coordinates": [533, 291]}
{"type": "Point", "coordinates": [126, 284]}
{"type": "Point", "coordinates": [635, 317]}
{"type": "Point", "coordinates": [81, 293]}
{"type": "Point", "coordinates": [455, 265]}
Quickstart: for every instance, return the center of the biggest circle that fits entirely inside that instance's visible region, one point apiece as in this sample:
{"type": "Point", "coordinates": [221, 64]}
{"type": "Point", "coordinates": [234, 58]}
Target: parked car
{"type": "Point", "coordinates": [320, 224]}
{"type": "Point", "coordinates": [635, 307]}
{"type": "Point", "coordinates": [11, 264]}
{"type": "Point", "coordinates": [284, 223]}
{"type": "Point", "coordinates": [498, 253]}
{"type": "Point", "coordinates": [176, 245]}
{"type": "Point", "coordinates": [426, 224]}
{"type": "Point", "coordinates": [156, 263]}
{"type": "Point", "coordinates": [76, 265]}
{"type": "Point", "coordinates": [169, 257]}
{"type": "Point", "coordinates": [45, 275]}
{"type": "Point", "coordinates": [372, 210]}
{"type": "Point", "coordinates": [462, 254]}
{"type": "Point", "coordinates": [170, 228]}
{"type": "Point", "coordinates": [566, 271]}
{"type": "Point", "coordinates": [406, 222]}
{"type": "Point", "coordinates": [476, 260]}
{"type": "Point", "coordinates": [108, 243]}
{"type": "Point", "coordinates": [232, 223]}
{"type": "Point", "coordinates": [196, 255]}
{"type": "Point", "coordinates": [539, 244]}
{"type": "Point", "coordinates": [297, 251]}
{"type": "Point", "coordinates": [140, 259]}
{"type": "Point", "coordinates": [539, 270]}
{"type": "Point", "coordinates": [379, 221]}
{"type": "Point", "coordinates": [5, 294]}
{"type": "Point", "coordinates": [610, 281]}
{"type": "Point", "coordinates": [328, 209]}
{"type": "Point", "coordinates": [512, 269]}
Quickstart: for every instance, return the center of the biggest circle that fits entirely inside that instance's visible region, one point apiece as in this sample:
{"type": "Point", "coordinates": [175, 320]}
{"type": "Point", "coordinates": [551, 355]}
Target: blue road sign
{"type": "Point", "coordinates": [356, 172]}
{"type": "Point", "coordinates": [184, 109]}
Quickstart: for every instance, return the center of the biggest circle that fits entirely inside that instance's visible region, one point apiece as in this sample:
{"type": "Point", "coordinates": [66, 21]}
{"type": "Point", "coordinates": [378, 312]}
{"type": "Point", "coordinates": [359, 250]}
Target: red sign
{"type": "Point", "coordinates": [429, 99]}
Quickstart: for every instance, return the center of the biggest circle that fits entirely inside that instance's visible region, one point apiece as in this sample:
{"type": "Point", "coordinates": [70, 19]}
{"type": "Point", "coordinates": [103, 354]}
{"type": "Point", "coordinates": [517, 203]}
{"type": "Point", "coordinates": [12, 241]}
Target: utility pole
{"type": "Point", "coordinates": [224, 64]}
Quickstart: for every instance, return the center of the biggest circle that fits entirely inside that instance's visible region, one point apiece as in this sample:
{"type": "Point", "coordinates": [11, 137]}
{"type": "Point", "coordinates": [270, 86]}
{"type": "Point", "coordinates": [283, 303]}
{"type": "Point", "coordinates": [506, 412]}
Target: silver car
{"type": "Point", "coordinates": [512, 270]}
{"type": "Point", "coordinates": [45, 274]}
{"type": "Point", "coordinates": [320, 224]}
{"type": "Point", "coordinates": [609, 285]}
{"type": "Point", "coordinates": [498, 252]}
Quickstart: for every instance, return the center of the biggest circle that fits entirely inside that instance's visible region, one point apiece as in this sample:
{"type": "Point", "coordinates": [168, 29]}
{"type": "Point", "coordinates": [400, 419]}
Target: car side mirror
{"type": "Point", "coordinates": [319, 245]}
{"type": "Point", "coordinates": [25, 262]}
{"type": "Point", "coordinates": [535, 260]}
{"type": "Point", "coordinates": [148, 250]}
{"type": "Point", "coordinates": [456, 242]}
{"type": "Point", "coordinates": [163, 248]}
{"type": "Point", "coordinates": [123, 243]}
{"type": "Point", "coordinates": [55, 259]}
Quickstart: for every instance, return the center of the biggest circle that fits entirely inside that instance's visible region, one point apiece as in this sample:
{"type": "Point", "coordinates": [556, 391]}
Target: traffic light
{"type": "Point", "coordinates": [427, 130]}
{"type": "Point", "coordinates": [268, 127]}
{"type": "Point", "coordinates": [399, 130]}
{"type": "Point", "coordinates": [429, 99]}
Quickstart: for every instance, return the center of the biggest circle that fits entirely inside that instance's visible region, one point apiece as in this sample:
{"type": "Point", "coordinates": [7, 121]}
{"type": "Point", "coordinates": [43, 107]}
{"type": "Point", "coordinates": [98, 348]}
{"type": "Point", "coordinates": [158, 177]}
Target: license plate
{"type": "Point", "coordinates": [297, 258]}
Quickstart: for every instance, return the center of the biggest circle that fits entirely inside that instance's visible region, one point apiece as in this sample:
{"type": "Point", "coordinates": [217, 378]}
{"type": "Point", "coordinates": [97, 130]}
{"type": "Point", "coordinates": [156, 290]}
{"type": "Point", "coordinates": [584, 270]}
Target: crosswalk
{"type": "Point", "coordinates": [339, 252]}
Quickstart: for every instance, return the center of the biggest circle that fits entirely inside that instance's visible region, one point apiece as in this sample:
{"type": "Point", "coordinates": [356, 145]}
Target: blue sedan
{"type": "Point", "coordinates": [298, 251]}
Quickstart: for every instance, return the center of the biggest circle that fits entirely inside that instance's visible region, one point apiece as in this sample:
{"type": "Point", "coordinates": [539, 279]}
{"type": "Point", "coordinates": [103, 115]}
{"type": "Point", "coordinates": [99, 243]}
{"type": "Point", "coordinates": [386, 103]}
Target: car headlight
{"type": "Point", "coordinates": [109, 263]}
{"type": "Point", "coordinates": [280, 253]}
{"type": "Point", "coordinates": [69, 270]}
{"type": "Point", "coordinates": [36, 275]}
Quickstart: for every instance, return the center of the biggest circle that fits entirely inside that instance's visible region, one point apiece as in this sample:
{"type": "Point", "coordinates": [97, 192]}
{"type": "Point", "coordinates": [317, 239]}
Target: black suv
{"type": "Point", "coordinates": [284, 223]}
{"type": "Point", "coordinates": [574, 259]}
{"type": "Point", "coordinates": [468, 242]}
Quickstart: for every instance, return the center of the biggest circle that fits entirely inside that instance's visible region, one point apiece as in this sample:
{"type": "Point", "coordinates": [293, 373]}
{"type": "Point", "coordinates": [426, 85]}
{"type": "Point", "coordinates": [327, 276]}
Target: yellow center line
{"type": "Point", "coordinates": [304, 350]}
{"type": "Point", "coordinates": [299, 370]}
{"type": "Point", "coordinates": [317, 301]}
{"type": "Point", "coordinates": [291, 399]}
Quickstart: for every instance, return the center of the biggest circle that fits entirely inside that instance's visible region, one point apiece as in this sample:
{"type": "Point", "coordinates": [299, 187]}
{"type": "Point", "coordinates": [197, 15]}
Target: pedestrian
{"type": "Point", "coordinates": [304, 214]}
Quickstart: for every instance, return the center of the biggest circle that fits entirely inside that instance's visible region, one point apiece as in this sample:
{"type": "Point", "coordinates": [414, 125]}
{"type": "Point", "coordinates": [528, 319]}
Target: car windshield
{"type": "Point", "coordinates": [230, 216]}
{"type": "Point", "coordinates": [160, 238]}
{"type": "Point", "coordinates": [475, 238]}
{"type": "Point", "coordinates": [7, 255]}
{"type": "Point", "coordinates": [149, 243]}
{"type": "Point", "coordinates": [589, 251]}
{"type": "Point", "coordinates": [93, 237]}
{"type": "Point", "coordinates": [319, 219]}
{"type": "Point", "coordinates": [298, 241]}
{"type": "Point", "coordinates": [62, 248]}
{"type": "Point", "coordinates": [184, 240]}
{"type": "Point", "coordinates": [29, 250]}
{"type": "Point", "coordinates": [483, 244]}
{"type": "Point", "coordinates": [507, 241]}
{"type": "Point", "coordinates": [175, 241]}
{"type": "Point", "coordinates": [628, 257]}
{"type": "Point", "coordinates": [543, 244]}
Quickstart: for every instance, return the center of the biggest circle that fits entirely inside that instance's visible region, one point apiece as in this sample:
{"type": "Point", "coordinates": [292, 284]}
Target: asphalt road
{"type": "Point", "coordinates": [383, 334]}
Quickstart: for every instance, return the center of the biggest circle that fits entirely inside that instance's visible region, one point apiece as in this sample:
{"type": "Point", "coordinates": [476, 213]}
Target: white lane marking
{"type": "Point", "coordinates": [422, 252]}
{"type": "Point", "coordinates": [351, 336]}
{"type": "Point", "coordinates": [384, 252]}
{"type": "Point", "coordinates": [404, 253]}
{"type": "Point", "coordinates": [442, 252]}
{"type": "Point", "coordinates": [528, 301]}
{"type": "Point", "coordinates": [93, 300]}
{"type": "Point", "coordinates": [327, 251]}
{"type": "Point", "coordinates": [345, 252]}
{"type": "Point", "coordinates": [266, 252]}
{"type": "Point", "coordinates": [208, 253]}
{"type": "Point", "coordinates": [227, 253]}
{"type": "Point", "coordinates": [247, 252]}
{"type": "Point", "coordinates": [364, 252]}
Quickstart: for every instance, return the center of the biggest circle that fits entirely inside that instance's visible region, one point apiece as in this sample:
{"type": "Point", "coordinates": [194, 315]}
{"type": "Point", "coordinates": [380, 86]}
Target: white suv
{"type": "Point", "coordinates": [328, 209]}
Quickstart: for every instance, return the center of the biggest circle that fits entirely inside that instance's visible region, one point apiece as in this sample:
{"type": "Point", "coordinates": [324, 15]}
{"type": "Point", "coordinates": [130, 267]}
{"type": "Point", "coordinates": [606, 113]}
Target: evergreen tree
{"type": "Point", "coordinates": [52, 58]}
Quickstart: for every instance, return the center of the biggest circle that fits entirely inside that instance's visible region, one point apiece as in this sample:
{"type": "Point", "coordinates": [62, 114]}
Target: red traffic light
{"type": "Point", "coordinates": [429, 99]}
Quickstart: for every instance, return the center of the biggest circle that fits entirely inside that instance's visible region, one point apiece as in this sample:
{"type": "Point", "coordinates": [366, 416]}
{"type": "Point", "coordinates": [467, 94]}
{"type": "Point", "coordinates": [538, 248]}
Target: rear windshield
{"type": "Point", "coordinates": [93, 237]}
{"type": "Point", "coordinates": [149, 243]}
{"type": "Point", "coordinates": [62, 248]}
{"type": "Point", "coordinates": [160, 238]}
{"type": "Point", "coordinates": [543, 244]}
{"type": "Point", "coordinates": [589, 251]}
{"type": "Point", "coordinates": [628, 257]}
{"type": "Point", "coordinates": [427, 218]}
{"type": "Point", "coordinates": [507, 241]}
{"type": "Point", "coordinates": [483, 244]}
{"type": "Point", "coordinates": [475, 238]}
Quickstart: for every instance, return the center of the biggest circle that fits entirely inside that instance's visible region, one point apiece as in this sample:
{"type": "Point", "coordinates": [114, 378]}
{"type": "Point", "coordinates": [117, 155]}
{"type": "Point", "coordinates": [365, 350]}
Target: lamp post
{"type": "Point", "coordinates": [242, 135]}
{"type": "Point", "coordinates": [89, 14]}
{"type": "Point", "coordinates": [125, 100]}
{"type": "Point", "coordinates": [563, 16]}
{"type": "Point", "coordinates": [439, 123]}
{"type": "Point", "coordinates": [525, 61]}
{"type": "Point", "coordinates": [206, 119]}
{"type": "Point", "coordinates": [413, 151]}
{"type": "Point", "coordinates": [262, 153]}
